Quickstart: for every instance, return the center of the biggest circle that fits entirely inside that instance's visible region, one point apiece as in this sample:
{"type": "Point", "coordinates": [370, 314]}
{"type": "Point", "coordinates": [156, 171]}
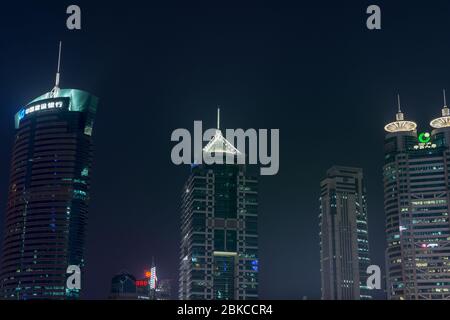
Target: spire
{"type": "Point", "coordinates": [445, 109]}
{"type": "Point", "coordinates": [445, 98]}
{"type": "Point", "coordinates": [218, 117]}
{"type": "Point", "coordinates": [218, 143]}
{"type": "Point", "coordinates": [56, 88]}
{"type": "Point", "coordinates": [59, 65]}
{"type": "Point", "coordinates": [399, 115]}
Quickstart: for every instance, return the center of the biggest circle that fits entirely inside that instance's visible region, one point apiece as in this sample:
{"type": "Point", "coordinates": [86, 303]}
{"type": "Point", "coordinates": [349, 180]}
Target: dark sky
{"type": "Point", "coordinates": [311, 69]}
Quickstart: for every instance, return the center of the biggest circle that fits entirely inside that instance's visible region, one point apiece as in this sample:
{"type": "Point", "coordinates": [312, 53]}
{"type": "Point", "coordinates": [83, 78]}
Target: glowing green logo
{"type": "Point", "coordinates": [424, 137]}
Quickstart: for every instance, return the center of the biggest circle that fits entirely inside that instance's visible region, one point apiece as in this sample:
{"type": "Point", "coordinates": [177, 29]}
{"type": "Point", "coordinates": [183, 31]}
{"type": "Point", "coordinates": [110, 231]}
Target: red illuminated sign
{"type": "Point", "coordinates": [141, 283]}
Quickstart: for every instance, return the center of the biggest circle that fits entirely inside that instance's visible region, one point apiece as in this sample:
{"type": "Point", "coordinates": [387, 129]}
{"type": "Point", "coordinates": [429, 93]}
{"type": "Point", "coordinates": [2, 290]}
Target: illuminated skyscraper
{"type": "Point", "coordinates": [219, 239]}
{"type": "Point", "coordinates": [416, 195]}
{"type": "Point", "coordinates": [344, 241]}
{"type": "Point", "coordinates": [48, 195]}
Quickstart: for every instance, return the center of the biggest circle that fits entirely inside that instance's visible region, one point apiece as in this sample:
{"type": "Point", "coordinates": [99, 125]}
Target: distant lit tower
{"type": "Point", "coordinates": [416, 202]}
{"type": "Point", "coordinates": [344, 240]}
{"type": "Point", "coordinates": [219, 239]}
{"type": "Point", "coordinates": [146, 287]}
{"type": "Point", "coordinates": [48, 194]}
{"type": "Point", "coordinates": [153, 280]}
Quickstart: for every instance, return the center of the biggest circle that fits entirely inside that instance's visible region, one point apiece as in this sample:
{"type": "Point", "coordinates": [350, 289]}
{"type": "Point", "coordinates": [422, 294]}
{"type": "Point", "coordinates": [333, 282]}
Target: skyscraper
{"type": "Point", "coordinates": [219, 239]}
{"type": "Point", "coordinates": [48, 195]}
{"type": "Point", "coordinates": [344, 241]}
{"type": "Point", "coordinates": [416, 196]}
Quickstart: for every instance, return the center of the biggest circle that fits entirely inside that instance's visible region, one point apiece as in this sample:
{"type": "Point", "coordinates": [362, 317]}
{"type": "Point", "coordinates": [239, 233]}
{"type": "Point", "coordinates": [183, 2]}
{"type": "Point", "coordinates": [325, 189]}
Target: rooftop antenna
{"type": "Point", "coordinates": [445, 98]}
{"type": "Point", "coordinates": [445, 109]}
{"type": "Point", "coordinates": [56, 88]}
{"type": "Point", "coordinates": [59, 65]}
{"type": "Point", "coordinates": [218, 117]}
{"type": "Point", "coordinates": [399, 116]}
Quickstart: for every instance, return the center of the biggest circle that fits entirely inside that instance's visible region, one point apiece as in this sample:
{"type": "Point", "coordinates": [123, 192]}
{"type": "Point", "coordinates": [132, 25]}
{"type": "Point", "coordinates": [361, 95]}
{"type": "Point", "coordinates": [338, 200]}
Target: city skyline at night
{"type": "Point", "coordinates": [314, 72]}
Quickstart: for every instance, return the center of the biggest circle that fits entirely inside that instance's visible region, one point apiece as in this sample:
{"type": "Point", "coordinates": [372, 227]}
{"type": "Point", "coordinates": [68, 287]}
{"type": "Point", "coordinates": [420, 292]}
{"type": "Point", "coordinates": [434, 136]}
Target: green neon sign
{"type": "Point", "coordinates": [424, 137]}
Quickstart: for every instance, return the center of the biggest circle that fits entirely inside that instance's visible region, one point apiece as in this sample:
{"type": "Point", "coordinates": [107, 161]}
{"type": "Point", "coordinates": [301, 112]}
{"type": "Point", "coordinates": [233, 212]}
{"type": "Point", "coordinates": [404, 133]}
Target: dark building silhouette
{"type": "Point", "coordinates": [123, 287]}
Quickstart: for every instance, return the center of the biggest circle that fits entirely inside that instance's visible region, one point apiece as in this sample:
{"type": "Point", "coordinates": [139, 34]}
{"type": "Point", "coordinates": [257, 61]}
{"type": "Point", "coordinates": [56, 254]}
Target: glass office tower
{"type": "Point", "coordinates": [416, 196]}
{"type": "Point", "coordinates": [219, 239]}
{"type": "Point", "coordinates": [48, 195]}
{"type": "Point", "coordinates": [344, 239]}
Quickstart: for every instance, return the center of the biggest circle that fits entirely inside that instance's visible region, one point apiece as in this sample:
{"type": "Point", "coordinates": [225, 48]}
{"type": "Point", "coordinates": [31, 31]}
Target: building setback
{"type": "Point", "coordinates": [344, 242]}
{"type": "Point", "coordinates": [219, 239]}
{"type": "Point", "coordinates": [416, 202]}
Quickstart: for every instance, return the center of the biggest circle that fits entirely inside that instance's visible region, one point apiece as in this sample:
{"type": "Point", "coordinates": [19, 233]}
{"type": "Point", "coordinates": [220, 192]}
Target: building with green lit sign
{"type": "Point", "coordinates": [416, 203]}
{"type": "Point", "coordinates": [47, 207]}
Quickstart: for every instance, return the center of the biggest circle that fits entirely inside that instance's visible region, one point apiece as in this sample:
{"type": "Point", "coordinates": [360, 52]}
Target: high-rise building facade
{"type": "Point", "coordinates": [48, 195]}
{"type": "Point", "coordinates": [344, 241]}
{"type": "Point", "coordinates": [416, 201]}
{"type": "Point", "coordinates": [219, 239]}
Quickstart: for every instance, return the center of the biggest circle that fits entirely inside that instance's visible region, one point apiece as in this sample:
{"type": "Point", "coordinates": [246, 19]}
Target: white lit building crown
{"type": "Point", "coordinates": [218, 144]}
{"type": "Point", "coordinates": [400, 125]}
{"type": "Point", "coordinates": [442, 122]}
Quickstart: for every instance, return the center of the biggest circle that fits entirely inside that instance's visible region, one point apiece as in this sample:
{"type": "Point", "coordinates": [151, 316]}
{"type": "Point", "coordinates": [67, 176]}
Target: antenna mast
{"type": "Point", "coordinates": [56, 88]}
{"type": "Point", "coordinates": [218, 118]}
{"type": "Point", "coordinates": [59, 66]}
{"type": "Point", "coordinates": [445, 98]}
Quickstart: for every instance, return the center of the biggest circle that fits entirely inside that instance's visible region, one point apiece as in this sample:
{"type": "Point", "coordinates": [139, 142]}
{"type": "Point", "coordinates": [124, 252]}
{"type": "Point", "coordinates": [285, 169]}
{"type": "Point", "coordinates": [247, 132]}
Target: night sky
{"type": "Point", "coordinates": [311, 69]}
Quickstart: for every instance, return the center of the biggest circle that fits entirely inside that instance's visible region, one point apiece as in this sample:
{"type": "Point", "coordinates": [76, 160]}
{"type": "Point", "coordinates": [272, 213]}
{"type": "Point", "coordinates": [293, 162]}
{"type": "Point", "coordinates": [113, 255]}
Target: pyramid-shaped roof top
{"type": "Point", "coordinates": [218, 143]}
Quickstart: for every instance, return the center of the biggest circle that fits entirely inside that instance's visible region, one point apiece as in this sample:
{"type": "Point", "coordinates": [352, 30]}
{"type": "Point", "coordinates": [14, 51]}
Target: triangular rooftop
{"type": "Point", "coordinates": [218, 143]}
